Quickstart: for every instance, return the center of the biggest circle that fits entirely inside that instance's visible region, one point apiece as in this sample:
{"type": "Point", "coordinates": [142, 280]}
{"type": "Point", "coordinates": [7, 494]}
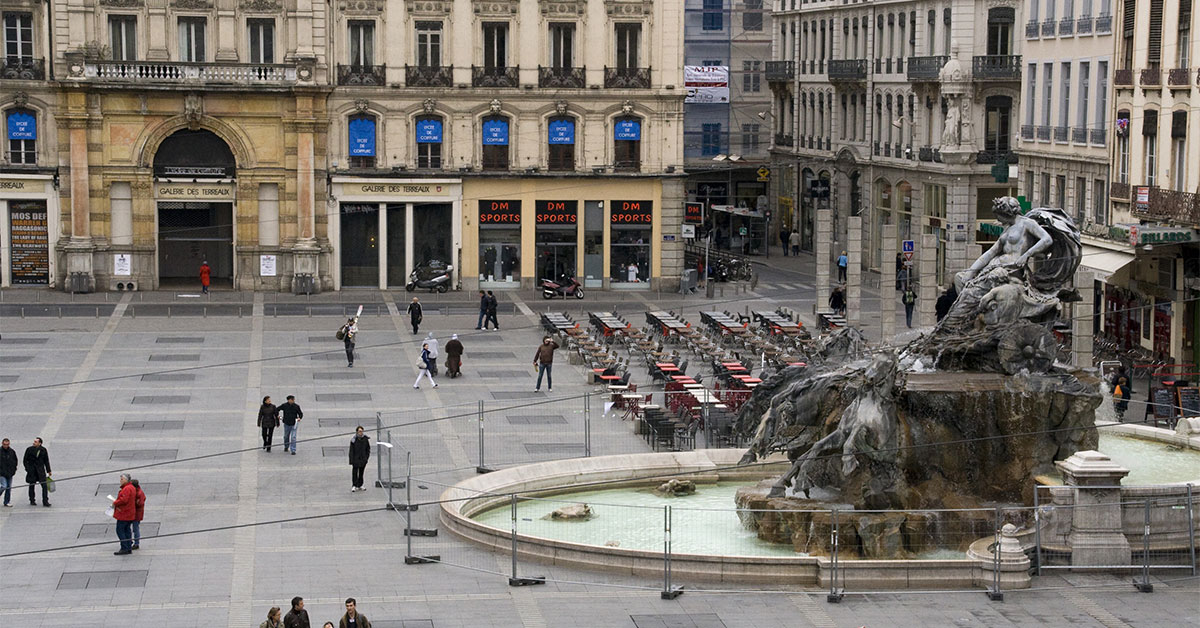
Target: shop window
{"type": "Point", "coordinates": [21, 131]}
{"type": "Point", "coordinates": [561, 143]}
{"type": "Point", "coordinates": [495, 143]}
{"type": "Point", "coordinates": [556, 239]}
{"type": "Point", "coordinates": [500, 243]}
{"type": "Point", "coordinates": [429, 142]}
{"type": "Point", "coordinates": [627, 143]}
{"type": "Point", "coordinates": [631, 234]}
{"type": "Point", "coordinates": [361, 131]}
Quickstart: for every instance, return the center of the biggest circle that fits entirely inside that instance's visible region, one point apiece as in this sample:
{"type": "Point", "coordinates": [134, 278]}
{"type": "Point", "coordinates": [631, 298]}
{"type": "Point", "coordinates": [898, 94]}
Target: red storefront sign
{"type": "Point", "coordinates": [499, 212]}
{"type": "Point", "coordinates": [632, 212]}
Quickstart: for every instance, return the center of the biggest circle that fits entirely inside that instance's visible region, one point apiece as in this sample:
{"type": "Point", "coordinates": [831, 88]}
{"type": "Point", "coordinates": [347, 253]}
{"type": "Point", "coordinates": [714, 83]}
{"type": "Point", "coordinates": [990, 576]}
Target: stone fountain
{"type": "Point", "coordinates": [967, 416]}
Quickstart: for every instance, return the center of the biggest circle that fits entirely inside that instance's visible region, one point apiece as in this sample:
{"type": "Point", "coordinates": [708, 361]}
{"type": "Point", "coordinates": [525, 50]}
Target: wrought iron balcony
{"type": "Point", "coordinates": [784, 139]}
{"type": "Point", "coordinates": [1048, 28]}
{"type": "Point", "coordinates": [1083, 25]}
{"type": "Point", "coordinates": [926, 68]}
{"type": "Point", "coordinates": [1060, 133]}
{"type": "Point", "coordinates": [925, 153]}
{"type": "Point", "coordinates": [1032, 30]}
{"type": "Point", "coordinates": [627, 78]}
{"type": "Point", "coordinates": [995, 156]}
{"type": "Point", "coordinates": [181, 72]}
{"type": "Point", "coordinates": [1151, 77]}
{"type": "Point", "coordinates": [498, 76]}
{"type": "Point", "coordinates": [1079, 135]}
{"type": "Point", "coordinates": [848, 70]}
{"type": "Point", "coordinates": [1104, 24]}
{"type": "Point", "coordinates": [1027, 132]}
{"type": "Point", "coordinates": [1066, 26]}
{"type": "Point", "coordinates": [781, 71]}
{"type": "Point", "coordinates": [1179, 77]}
{"type": "Point", "coordinates": [1123, 77]}
{"type": "Point", "coordinates": [22, 68]}
{"type": "Point", "coordinates": [565, 78]}
{"type": "Point", "coordinates": [1043, 133]}
{"type": "Point", "coordinates": [428, 75]}
{"type": "Point", "coordinates": [361, 74]}
{"type": "Point", "coordinates": [1118, 191]}
{"type": "Point", "coordinates": [1099, 136]}
{"type": "Point", "coordinates": [997, 67]}
{"type": "Point", "coordinates": [1172, 206]}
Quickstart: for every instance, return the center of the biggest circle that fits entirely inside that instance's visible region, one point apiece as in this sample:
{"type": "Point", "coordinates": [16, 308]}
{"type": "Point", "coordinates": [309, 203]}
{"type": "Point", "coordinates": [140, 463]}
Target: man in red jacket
{"type": "Point", "coordinates": [125, 512]}
{"type": "Point", "coordinates": [141, 512]}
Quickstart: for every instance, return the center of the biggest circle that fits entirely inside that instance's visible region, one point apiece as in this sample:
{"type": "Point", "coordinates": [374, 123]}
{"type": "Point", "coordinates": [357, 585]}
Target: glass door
{"type": "Point", "coordinates": [360, 245]}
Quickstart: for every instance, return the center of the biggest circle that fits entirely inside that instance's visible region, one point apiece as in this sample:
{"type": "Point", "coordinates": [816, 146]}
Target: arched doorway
{"type": "Point", "coordinates": [194, 194]}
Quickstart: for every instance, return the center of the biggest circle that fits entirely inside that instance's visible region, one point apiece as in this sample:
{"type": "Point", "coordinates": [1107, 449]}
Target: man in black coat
{"type": "Point", "coordinates": [360, 453]}
{"type": "Point", "coordinates": [492, 306]}
{"type": "Point", "coordinates": [37, 469]}
{"type": "Point", "coordinates": [297, 617]}
{"type": "Point", "coordinates": [8, 468]}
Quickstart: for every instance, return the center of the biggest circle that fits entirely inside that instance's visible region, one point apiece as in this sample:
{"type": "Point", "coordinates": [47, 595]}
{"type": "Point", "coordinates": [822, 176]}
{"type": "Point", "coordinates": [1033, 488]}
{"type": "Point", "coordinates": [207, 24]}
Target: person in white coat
{"type": "Point", "coordinates": [432, 343]}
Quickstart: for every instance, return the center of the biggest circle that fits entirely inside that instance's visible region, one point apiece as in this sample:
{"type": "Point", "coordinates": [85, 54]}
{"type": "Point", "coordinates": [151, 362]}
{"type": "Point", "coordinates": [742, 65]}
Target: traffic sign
{"type": "Point", "coordinates": [764, 173]}
{"type": "Point", "coordinates": [908, 247]}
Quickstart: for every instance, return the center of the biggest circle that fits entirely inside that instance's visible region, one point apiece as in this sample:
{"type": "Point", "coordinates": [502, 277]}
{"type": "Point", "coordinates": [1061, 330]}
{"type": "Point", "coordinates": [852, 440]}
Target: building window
{"type": "Point", "coordinates": [1044, 193]}
{"type": "Point", "coordinates": [1085, 70]}
{"type": "Point", "coordinates": [629, 38]}
{"type": "Point", "coordinates": [191, 39]}
{"type": "Point", "coordinates": [21, 130]}
{"type": "Point", "coordinates": [627, 143]}
{"type": "Point", "coordinates": [1099, 201]}
{"type": "Point", "coordinates": [1183, 37]}
{"type": "Point", "coordinates": [362, 43]}
{"type": "Point", "coordinates": [429, 142]}
{"type": "Point", "coordinates": [361, 133]}
{"type": "Point", "coordinates": [1154, 43]}
{"type": "Point", "coordinates": [1031, 95]}
{"type": "Point", "coordinates": [996, 124]}
{"type": "Point", "coordinates": [1123, 148]}
{"type": "Point", "coordinates": [495, 45]}
{"type": "Point", "coordinates": [1047, 89]}
{"type": "Point", "coordinates": [1029, 186]}
{"type": "Point", "coordinates": [562, 46]}
{"type": "Point", "coordinates": [1101, 93]}
{"type": "Point", "coordinates": [1178, 152]}
{"type": "Point", "coordinates": [495, 143]}
{"type": "Point", "coordinates": [1061, 193]}
{"type": "Point", "coordinates": [713, 15]}
{"type": "Point", "coordinates": [710, 139]}
{"type": "Point", "coordinates": [429, 44]}
{"type": "Point", "coordinates": [752, 76]}
{"type": "Point", "coordinates": [1064, 96]}
{"type": "Point", "coordinates": [1080, 200]}
{"type": "Point", "coordinates": [1150, 140]}
{"type": "Point", "coordinates": [18, 37]}
{"type": "Point", "coordinates": [122, 37]}
{"type": "Point", "coordinates": [752, 15]}
{"type": "Point", "coordinates": [262, 40]}
{"type": "Point", "coordinates": [561, 143]}
{"type": "Point", "coordinates": [750, 138]}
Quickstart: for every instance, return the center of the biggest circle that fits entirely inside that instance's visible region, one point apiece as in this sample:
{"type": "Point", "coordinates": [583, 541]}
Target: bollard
{"type": "Point", "coordinates": [1144, 586]}
{"type": "Point", "coordinates": [60, 311]}
{"type": "Point", "coordinates": [205, 311]}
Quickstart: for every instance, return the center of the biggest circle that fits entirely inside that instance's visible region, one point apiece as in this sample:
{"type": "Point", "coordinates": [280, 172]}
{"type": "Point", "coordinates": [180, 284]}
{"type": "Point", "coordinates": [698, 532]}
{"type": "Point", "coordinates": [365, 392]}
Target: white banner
{"type": "Point", "coordinates": [706, 83]}
{"type": "Point", "coordinates": [266, 265]}
{"type": "Point", "coordinates": [122, 265]}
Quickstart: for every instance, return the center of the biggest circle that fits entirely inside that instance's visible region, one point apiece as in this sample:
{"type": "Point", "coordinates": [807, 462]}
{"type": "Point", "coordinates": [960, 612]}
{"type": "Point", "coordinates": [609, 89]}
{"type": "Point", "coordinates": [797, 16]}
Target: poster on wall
{"type": "Point", "coordinates": [122, 265]}
{"type": "Point", "coordinates": [30, 257]}
{"type": "Point", "coordinates": [562, 132]}
{"type": "Point", "coordinates": [22, 126]}
{"type": "Point", "coordinates": [429, 131]}
{"type": "Point", "coordinates": [266, 265]}
{"type": "Point", "coordinates": [495, 133]}
{"type": "Point", "coordinates": [706, 83]}
{"type": "Point", "coordinates": [362, 137]}
{"type": "Point", "coordinates": [627, 130]}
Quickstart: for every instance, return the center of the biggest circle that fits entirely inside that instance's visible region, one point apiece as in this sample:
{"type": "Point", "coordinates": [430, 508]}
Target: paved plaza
{"type": "Point", "coordinates": [169, 385]}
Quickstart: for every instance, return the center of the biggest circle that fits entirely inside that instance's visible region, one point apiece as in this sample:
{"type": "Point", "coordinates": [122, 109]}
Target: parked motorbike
{"type": "Point", "coordinates": [565, 287]}
{"type": "Point", "coordinates": [433, 275]}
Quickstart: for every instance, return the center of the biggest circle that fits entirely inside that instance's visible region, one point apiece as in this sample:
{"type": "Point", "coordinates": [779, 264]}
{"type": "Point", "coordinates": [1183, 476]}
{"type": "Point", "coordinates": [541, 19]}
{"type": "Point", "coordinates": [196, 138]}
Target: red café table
{"type": "Point", "coordinates": [683, 379]}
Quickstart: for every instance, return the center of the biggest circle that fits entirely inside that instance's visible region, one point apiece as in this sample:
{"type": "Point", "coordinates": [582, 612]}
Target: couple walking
{"type": "Point", "coordinates": [270, 416]}
{"type": "Point", "coordinates": [487, 311]}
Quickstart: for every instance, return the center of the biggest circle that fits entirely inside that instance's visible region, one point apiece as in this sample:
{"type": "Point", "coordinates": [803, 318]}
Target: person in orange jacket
{"type": "Point", "coordinates": [205, 276]}
{"type": "Point", "coordinates": [141, 512]}
{"type": "Point", "coordinates": [125, 512]}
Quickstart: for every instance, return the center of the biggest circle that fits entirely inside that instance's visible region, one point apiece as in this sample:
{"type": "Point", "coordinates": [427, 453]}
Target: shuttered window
{"type": "Point", "coordinates": [1154, 47]}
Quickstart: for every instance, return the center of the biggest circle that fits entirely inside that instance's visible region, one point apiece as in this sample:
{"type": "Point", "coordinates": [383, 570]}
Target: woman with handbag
{"type": "Point", "coordinates": [425, 367]}
{"type": "Point", "coordinates": [268, 420]}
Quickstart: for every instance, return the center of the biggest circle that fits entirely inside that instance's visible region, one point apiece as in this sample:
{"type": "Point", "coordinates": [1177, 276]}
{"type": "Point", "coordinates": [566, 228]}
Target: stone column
{"type": "Point", "coordinates": [854, 270]}
{"type": "Point", "coordinates": [306, 251]}
{"type": "Point", "coordinates": [887, 289]}
{"type": "Point", "coordinates": [1096, 537]}
{"type": "Point", "coordinates": [1081, 320]}
{"type": "Point", "coordinates": [927, 286]}
{"type": "Point", "coordinates": [79, 248]}
{"type": "Point", "coordinates": [824, 239]}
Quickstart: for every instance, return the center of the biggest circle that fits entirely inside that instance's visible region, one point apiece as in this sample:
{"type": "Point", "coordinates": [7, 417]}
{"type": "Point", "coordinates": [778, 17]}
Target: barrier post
{"type": "Point", "coordinates": [835, 594]}
{"type": "Point", "coordinates": [669, 591]}
{"type": "Point", "coordinates": [587, 425]}
{"type": "Point", "coordinates": [994, 594]}
{"type": "Point", "coordinates": [1191, 529]}
{"type": "Point", "coordinates": [514, 580]}
{"type": "Point", "coordinates": [1037, 531]}
{"type": "Point", "coordinates": [1144, 586]}
{"type": "Point", "coordinates": [482, 468]}
{"type": "Point", "coordinates": [378, 460]}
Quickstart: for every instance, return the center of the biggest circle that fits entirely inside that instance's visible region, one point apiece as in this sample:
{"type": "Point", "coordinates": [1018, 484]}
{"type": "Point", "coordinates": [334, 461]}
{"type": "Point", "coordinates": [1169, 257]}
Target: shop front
{"type": "Point", "coordinates": [499, 244]}
{"type": "Point", "coordinates": [631, 250]}
{"type": "Point", "coordinates": [28, 215]}
{"type": "Point", "coordinates": [557, 239]}
{"type": "Point", "coordinates": [383, 229]}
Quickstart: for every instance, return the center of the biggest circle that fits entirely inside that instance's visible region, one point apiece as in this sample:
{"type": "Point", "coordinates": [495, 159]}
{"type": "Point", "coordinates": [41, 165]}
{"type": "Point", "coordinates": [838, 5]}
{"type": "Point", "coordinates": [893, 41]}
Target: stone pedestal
{"type": "Point", "coordinates": [1096, 537]}
{"type": "Point", "coordinates": [824, 239]}
{"type": "Point", "coordinates": [1013, 564]}
{"type": "Point", "coordinates": [887, 292]}
{"type": "Point", "coordinates": [854, 271]}
{"type": "Point", "coordinates": [80, 276]}
{"type": "Point", "coordinates": [306, 261]}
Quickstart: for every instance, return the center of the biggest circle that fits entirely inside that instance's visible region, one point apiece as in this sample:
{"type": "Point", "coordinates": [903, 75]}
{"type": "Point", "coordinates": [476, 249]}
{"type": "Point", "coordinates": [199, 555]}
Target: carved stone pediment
{"type": "Point", "coordinates": [496, 8]}
{"type": "Point", "coordinates": [361, 7]}
{"type": "Point", "coordinates": [629, 8]}
{"type": "Point", "coordinates": [261, 6]}
{"type": "Point", "coordinates": [195, 5]}
{"type": "Point", "coordinates": [430, 8]}
{"type": "Point", "coordinates": [121, 4]}
{"type": "Point", "coordinates": [563, 8]}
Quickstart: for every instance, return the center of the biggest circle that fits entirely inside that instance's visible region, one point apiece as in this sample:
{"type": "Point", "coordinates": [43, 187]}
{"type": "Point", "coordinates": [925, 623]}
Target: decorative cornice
{"type": "Point", "coordinates": [629, 8]}
{"type": "Point", "coordinates": [191, 4]}
{"type": "Point", "coordinates": [429, 8]}
{"type": "Point", "coordinates": [121, 4]}
{"type": "Point", "coordinates": [261, 6]}
{"type": "Point", "coordinates": [563, 8]}
{"type": "Point", "coordinates": [496, 8]}
{"type": "Point", "coordinates": [361, 7]}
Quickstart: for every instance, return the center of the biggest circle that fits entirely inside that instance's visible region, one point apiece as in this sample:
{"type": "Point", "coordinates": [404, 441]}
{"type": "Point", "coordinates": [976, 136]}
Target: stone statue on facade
{"type": "Point", "coordinates": [950, 136]}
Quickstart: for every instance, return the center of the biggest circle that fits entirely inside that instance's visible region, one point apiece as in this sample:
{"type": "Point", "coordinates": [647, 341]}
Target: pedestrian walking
{"type": "Point", "coordinates": [483, 309]}
{"type": "Point", "coordinates": [205, 276]}
{"type": "Point", "coordinates": [1121, 394]}
{"type": "Point", "coordinates": [268, 420]}
{"type": "Point", "coordinates": [945, 302]}
{"type": "Point", "coordinates": [415, 314]}
{"type": "Point", "coordinates": [348, 335]}
{"type": "Point", "coordinates": [360, 454]}
{"type": "Point", "coordinates": [140, 504]}
{"type": "Point", "coordinates": [795, 241]}
{"type": "Point", "coordinates": [273, 619]}
{"type": "Point", "coordinates": [125, 512]}
{"type": "Point", "coordinates": [543, 361]}
{"type": "Point", "coordinates": [783, 240]}
{"type": "Point", "coordinates": [353, 618]}
{"type": "Point", "coordinates": [492, 305]}
{"type": "Point", "coordinates": [837, 301]}
{"type": "Point", "coordinates": [297, 617]}
{"type": "Point", "coordinates": [454, 351]}
{"type": "Point", "coordinates": [909, 299]}
{"type": "Point", "coordinates": [433, 353]}
{"type": "Point", "coordinates": [37, 470]}
{"type": "Point", "coordinates": [291, 422]}
{"type": "Point", "coordinates": [8, 469]}
{"type": "Point", "coordinates": [842, 263]}
{"type": "Point", "coordinates": [424, 367]}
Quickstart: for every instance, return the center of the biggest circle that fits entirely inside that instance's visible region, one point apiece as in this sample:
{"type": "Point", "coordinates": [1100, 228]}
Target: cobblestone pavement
{"type": "Point", "coordinates": [114, 383]}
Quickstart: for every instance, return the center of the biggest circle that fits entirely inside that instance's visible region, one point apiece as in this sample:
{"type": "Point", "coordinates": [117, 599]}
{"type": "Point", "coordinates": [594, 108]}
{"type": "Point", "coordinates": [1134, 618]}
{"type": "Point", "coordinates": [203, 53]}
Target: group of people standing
{"type": "Point", "coordinates": [297, 617]}
{"type": "Point", "coordinates": [128, 509]}
{"type": "Point", "coordinates": [37, 471]}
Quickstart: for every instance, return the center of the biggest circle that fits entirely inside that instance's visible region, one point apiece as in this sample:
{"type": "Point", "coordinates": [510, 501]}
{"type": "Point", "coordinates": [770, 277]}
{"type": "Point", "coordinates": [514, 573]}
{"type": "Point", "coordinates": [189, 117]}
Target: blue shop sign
{"type": "Point", "coordinates": [429, 131]}
{"type": "Point", "coordinates": [562, 132]}
{"type": "Point", "coordinates": [362, 137]}
{"type": "Point", "coordinates": [495, 132]}
{"type": "Point", "coordinates": [629, 130]}
{"type": "Point", "coordinates": [22, 126]}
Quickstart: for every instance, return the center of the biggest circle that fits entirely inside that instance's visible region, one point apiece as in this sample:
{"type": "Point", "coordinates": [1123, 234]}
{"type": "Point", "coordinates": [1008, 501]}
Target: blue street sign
{"type": "Point", "coordinates": [908, 246]}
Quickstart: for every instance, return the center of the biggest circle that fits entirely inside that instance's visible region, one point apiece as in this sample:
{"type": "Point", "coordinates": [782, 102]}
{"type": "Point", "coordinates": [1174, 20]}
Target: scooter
{"type": "Point", "coordinates": [433, 275]}
{"type": "Point", "coordinates": [565, 287]}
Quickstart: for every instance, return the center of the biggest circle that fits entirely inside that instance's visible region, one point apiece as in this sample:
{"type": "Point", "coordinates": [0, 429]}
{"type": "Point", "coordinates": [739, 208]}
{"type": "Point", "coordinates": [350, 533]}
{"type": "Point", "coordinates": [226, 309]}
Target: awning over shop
{"type": "Point", "coordinates": [1104, 262]}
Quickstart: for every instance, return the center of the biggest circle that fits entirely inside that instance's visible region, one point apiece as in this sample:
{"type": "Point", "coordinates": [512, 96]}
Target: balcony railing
{"type": "Point", "coordinates": [995, 156]}
{"type": "Point", "coordinates": [1151, 77]}
{"type": "Point", "coordinates": [1179, 77]}
{"type": "Point", "coordinates": [781, 71]}
{"type": "Point", "coordinates": [1118, 191]}
{"type": "Point", "coordinates": [783, 139]}
{"type": "Point", "coordinates": [997, 67]}
{"type": "Point", "coordinates": [1079, 135]}
{"type": "Point", "coordinates": [1099, 136]}
{"type": "Point", "coordinates": [1123, 77]}
{"type": "Point", "coordinates": [1043, 133]}
{"type": "Point", "coordinates": [1066, 26]}
{"type": "Point", "coordinates": [1083, 25]}
{"type": "Point", "coordinates": [626, 78]}
{"type": "Point", "coordinates": [22, 68]}
{"type": "Point", "coordinates": [1060, 133]}
{"type": "Point", "coordinates": [1027, 132]}
{"type": "Point", "coordinates": [1172, 206]}
{"type": "Point", "coordinates": [1104, 24]}
{"type": "Point", "coordinates": [848, 70]}
{"type": "Point", "coordinates": [1048, 28]}
{"type": "Point", "coordinates": [925, 153]}
{"type": "Point", "coordinates": [926, 68]}
{"type": "Point", "coordinates": [180, 72]}
{"type": "Point", "coordinates": [1031, 30]}
{"type": "Point", "coordinates": [428, 75]}
{"type": "Point", "coordinates": [361, 74]}
{"type": "Point", "coordinates": [561, 77]}
{"type": "Point", "coordinates": [498, 76]}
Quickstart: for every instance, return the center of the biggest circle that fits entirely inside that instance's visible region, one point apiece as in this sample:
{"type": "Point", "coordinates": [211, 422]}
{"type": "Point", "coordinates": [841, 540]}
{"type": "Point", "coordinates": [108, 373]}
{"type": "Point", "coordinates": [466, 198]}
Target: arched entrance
{"type": "Point", "coordinates": [194, 194]}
